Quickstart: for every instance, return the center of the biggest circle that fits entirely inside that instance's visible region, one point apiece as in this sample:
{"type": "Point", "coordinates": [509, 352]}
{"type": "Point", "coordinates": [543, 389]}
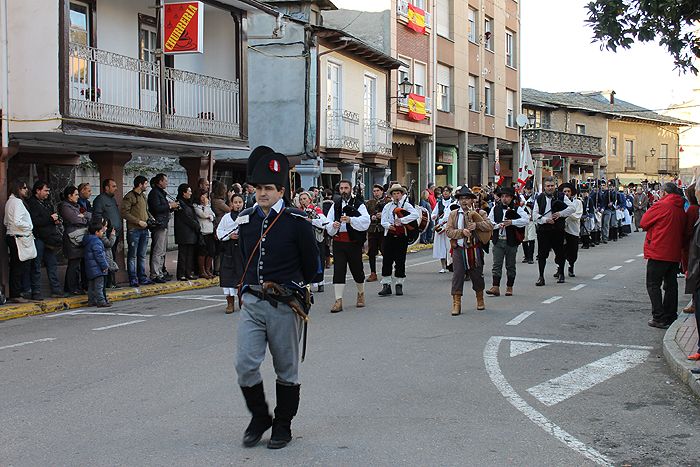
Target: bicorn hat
{"type": "Point", "coordinates": [265, 166]}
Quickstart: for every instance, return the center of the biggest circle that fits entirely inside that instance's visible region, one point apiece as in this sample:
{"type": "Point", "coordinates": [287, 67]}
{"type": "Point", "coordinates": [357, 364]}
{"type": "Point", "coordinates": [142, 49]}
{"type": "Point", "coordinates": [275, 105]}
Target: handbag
{"type": "Point", "coordinates": [76, 237]}
{"type": "Point", "coordinates": [26, 249]}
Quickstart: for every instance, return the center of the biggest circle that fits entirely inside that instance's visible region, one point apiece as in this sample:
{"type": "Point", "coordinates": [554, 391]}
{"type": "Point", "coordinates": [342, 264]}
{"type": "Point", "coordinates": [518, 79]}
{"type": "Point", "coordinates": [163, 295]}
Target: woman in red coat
{"type": "Point", "coordinates": [692, 217]}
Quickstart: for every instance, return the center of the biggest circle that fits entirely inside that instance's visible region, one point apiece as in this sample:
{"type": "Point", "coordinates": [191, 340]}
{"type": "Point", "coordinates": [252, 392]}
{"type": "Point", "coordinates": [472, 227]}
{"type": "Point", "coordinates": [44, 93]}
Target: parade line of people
{"type": "Point", "coordinates": [270, 246]}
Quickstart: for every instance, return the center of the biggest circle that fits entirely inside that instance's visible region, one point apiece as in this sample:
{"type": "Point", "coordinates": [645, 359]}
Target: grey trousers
{"type": "Point", "coordinates": [501, 251]}
{"type": "Point", "coordinates": [608, 217]}
{"type": "Point", "coordinates": [638, 213]}
{"type": "Point", "coordinates": [159, 247]}
{"type": "Point", "coordinates": [459, 273]}
{"type": "Point", "coordinates": [262, 325]}
{"type": "Point", "coordinates": [96, 291]}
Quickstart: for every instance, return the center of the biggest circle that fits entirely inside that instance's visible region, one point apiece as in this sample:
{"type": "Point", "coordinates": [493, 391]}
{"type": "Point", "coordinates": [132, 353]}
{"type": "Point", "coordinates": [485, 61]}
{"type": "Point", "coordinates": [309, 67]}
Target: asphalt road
{"type": "Point", "coordinates": [578, 380]}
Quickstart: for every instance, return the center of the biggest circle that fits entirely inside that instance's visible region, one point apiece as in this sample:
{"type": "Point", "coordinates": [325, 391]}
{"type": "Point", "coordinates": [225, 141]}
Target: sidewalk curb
{"type": "Point", "coordinates": [677, 359]}
{"type": "Point", "coordinates": [126, 293]}
{"type": "Point", "coordinates": [43, 307]}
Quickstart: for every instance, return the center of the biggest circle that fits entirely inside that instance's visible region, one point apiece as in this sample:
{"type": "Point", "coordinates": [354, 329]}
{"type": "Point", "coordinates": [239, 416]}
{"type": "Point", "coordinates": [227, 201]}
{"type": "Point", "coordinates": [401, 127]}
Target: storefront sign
{"type": "Point", "coordinates": [183, 28]}
{"type": "Point", "coordinates": [445, 157]}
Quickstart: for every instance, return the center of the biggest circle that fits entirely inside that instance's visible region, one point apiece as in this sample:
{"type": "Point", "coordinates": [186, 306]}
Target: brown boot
{"type": "Point", "coordinates": [509, 290]}
{"type": "Point", "coordinates": [337, 306]}
{"type": "Point", "coordinates": [372, 277]}
{"type": "Point", "coordinates": [480, 305]}
{"type": "Point", "coordinates": [360, 300]}
{"type": "Point", "coordinates": [230, 304]}
{"type": "Point", "coordinates": [202, 270]}
{"type": "Point", "coordinates": [689, 309]}
{"type": "Point", "coordinates": [494, 290]}
{"type": "Point", "coordinates": [209, 267]}
{"type": "Point", "coordinates": [456, 305]}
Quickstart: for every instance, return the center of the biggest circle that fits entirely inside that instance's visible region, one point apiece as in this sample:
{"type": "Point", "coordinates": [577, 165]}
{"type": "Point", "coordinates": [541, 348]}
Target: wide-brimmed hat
{"type": "Point", "coordinates": [567, 185]}
{"type": "Point", "coordinates": [463, 192]}
{"type": "Point", "coordinates": [397, 187]}
{"type": "Point", "coordinates": [508, 190]}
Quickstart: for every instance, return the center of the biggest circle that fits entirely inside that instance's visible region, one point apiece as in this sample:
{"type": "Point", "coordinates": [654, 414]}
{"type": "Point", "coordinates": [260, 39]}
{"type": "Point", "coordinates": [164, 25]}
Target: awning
{"type": "Point", "coordinates": [630, 178]}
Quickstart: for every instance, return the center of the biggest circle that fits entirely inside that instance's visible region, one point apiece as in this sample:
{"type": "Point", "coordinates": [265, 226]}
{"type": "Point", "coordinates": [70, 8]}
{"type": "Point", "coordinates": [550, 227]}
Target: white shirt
{"type": "Point", "coordinates": [541, 218]}
{"type": "Point", "coordinates": [360, 223]}
{"type": "Point", "coordinates": [17, 218]}
{"type": "Point", "coordinates": [460, 225]}
{"type": "Point", "coordinates": [572, 224]}
{"type": "Point", "coordinates": [388, 216]}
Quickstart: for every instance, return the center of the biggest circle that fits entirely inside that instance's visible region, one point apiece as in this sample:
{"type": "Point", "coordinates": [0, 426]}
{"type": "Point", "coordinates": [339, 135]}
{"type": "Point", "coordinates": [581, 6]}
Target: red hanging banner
{"type": "Point", "coordinates": [416, 19]}
{"type": "Point", "coordinates": [416, 107]}
{"type": "Point", "coordinates": [183, 28]}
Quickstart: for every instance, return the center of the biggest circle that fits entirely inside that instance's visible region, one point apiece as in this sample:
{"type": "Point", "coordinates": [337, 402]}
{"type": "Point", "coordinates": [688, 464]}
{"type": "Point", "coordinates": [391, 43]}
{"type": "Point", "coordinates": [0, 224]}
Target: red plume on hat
{"type": "Point", "coordinates": [265, 166]}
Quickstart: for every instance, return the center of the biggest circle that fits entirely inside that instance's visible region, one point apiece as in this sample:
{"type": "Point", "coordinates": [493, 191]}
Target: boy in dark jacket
{"type": "Point", "coordinates": [96, 266]}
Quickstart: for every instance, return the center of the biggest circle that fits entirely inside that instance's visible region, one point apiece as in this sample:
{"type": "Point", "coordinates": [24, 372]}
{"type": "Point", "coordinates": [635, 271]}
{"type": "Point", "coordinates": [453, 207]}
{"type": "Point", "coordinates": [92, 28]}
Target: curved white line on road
{"type": "Point", "coordinates": [494, 371]}
{"type": "Point", "coordinates": [22, 344]}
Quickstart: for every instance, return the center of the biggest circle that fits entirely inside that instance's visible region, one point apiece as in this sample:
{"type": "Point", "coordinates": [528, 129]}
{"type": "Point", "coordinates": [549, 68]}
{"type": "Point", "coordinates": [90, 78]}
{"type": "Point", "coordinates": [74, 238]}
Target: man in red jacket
{"type": "Point", "coordinates": [664, 224]}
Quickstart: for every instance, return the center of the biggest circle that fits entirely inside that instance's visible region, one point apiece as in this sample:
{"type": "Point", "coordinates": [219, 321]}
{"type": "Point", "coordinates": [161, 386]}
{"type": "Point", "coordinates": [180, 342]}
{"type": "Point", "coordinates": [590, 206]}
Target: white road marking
{"type": "Point", "coordinates": [630, 260]}
{"type": "Point", "coordinates": [106, 313]}
{"type": "Point", "coordinates": [551, 300]}
{"type": "Point", "coordinates": [210, 298]}
{"type": "Point", "coordinates": [592, 344]}
{"type": "Point", "coordinates": [578, 287]}
{"type": "Point", "coordinates": [104, 328]}
{"type": "Point", "coordinates": [615, 268]}
{"type": "Point", "coordinates": [519, 347]}
{"type": "Point", "coordinates": [494, 371]}
{"type": "Point", "coordinates": [421, 264]}
{"type": "Point", "coordinates": [193, 309]}
{"type": "Point", "coordinates": [65, 313]}
{"type": "Point", "coordinates": [640, 255]}
{"type": "Point", "coordinates": [519, 319]}
{"type": "Point", "coordinates": [568, 385]}
{"type": "Point", "coordinates": [21, 344]}
{"type": "Point", "coordinates": [598, 276]}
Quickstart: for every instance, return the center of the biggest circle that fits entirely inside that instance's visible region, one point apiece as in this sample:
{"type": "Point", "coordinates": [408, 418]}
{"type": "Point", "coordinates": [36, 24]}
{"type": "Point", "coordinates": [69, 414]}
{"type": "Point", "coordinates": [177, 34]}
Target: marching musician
{"type": "Point", "coordinates": [314, 214]}
{"type": "Point", "coordinates": [439, 216]}
{"type": "Point", "coordinates": [468, 229]}
{"type": "Point", "coordinates": [396, 216]}
{"type": "Point", "coordinates": [549, 213]}
{"type": "Point", "coordinates": [572, 226]}
{"type": "Point", "coordinates": [506, 216]}
{"type": "Point", "coordinates": [587, 217]}
{"type": "Point", "coordinates": [530, 230]}
{"type": "Point", "coordinates": [375, 232]}
{"type": "Point", "coordinates": [281, 257]}
{"type": "Point", "coordinates": [350, 221]}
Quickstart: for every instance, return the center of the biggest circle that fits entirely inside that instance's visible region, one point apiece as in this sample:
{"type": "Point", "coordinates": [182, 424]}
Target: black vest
{"type": "Point", "coordinates": [542, 210]}
{"type": "Point", "coordinates": [498, 212]}
{"type": "Point", "coordinates": [351, 210]}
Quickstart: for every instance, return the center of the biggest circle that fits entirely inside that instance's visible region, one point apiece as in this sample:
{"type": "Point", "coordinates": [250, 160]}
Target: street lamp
{"type": "Point", "coordinates": [405, 88]}
{"type": "Point", "coordinates": [652, 153]}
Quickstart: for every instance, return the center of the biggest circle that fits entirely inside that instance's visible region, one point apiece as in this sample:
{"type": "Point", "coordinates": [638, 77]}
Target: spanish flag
{"type": "Point", "coordinates": [416, 107]}
{"type": "Point", "coordinates": [416, 19]}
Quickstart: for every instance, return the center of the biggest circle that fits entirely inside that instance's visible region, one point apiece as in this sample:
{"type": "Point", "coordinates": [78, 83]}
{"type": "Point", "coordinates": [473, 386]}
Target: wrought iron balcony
{"type": "Point", "coordinates": [113, 88]}
{"type": "Point", "coordinates": [342, 130]}
{"type": "Point", "coordinates": [669, 165]}
{"type": "Point", "coordinates": [553, 141]}
{"type": "Point", "coordinates": [377, 137]}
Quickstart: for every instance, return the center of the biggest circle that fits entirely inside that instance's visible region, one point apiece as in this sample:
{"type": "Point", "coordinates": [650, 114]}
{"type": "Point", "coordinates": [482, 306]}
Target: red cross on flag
{"type": "Point", "coordinates": [527, 167]}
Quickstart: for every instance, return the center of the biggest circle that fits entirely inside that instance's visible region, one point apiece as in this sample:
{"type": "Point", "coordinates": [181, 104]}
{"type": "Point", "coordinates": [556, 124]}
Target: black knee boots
{"type": "Point", "coordinates": [261, 421]}
{"type": "Point", "coordinates": [287, 406]}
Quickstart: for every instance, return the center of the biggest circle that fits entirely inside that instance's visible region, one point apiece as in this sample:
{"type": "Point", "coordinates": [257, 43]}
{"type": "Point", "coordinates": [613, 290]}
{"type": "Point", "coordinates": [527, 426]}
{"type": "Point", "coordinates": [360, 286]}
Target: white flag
{"type": "Point", "coordinates": [527, 167]}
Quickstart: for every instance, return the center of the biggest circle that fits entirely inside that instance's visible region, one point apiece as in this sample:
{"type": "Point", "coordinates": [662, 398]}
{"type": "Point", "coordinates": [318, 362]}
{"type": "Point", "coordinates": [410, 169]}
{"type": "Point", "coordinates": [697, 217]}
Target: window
{"type": "Point", "coordinates": [580, 129]}
{"type": "Point", "coordinates": [80, 23]}
{"type": "Point", "coordinates": [629, 154]}
{"type": "Point", "coordinates": [370, 98]}
{"type": "Point", "coordinates": [488, 33]}
{"type": "Point", "coordinates": [444, 19]}
{"type": "Point", "coordinates": [334, 87]}
{"type": "Point", "coordinates": [419, 3]}
{"type": "Point", "coordinates": [664, 151]}
{"type": "Point", "coordinates": [613, 146]}
{"type": "Point", "coordinates": [510, 48]}
{"type": "Point", "coordinates": [419, 78]}
{"type": "Point", "coordinates": [473, 103]}
{"type": "Point", "coordinates": [472, 32]}
{"type": "Point", "coordinates": [537, 118]}
{"type": "Point", "coordinates": [488, 98]}
{"type": "Point", "coordinates": [404, 71]}
{"type": "Point", "coordinates": [444, 78]}
{"type": "Point", "coordinates": [510, 106]}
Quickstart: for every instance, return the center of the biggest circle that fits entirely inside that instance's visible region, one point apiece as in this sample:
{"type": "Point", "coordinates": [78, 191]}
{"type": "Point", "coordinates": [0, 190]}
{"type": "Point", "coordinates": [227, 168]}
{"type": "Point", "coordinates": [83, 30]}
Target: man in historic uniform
{"type": "Point", "coordinates": [468, 229]}
{"type": "Point", "coordinates": [549, 214]}
{"type": "Point", "coordinates": [506, 217]}
{"type": "Point", "coordinates": [441, 244]}
{"type": "Point", "coordinates": [572, 226]}
{"type": "Point", "coordinates": [375, 232]}
{"type": "Point", "coordinates": [396, 216]}
{"type": "Point", "coordinates": [281, 258]}
{"type": "Point", "coordinates": [348, 225]}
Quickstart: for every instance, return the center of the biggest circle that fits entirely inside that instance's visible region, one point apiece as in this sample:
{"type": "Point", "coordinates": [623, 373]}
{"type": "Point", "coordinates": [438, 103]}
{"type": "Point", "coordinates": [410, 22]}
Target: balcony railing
{"type": "Point", "coordinates": [377, 137]}
{"type": "Point", "coordinates": [668, 165]}
{"type": "Point", "coordinates": [342, 131]}
{"type": "Point", "coordinates": [403, 104]}
{"type": "Point", "coordinates": [402, 12]}
{"type": "Point", "coordinates": [113, 88]}
{"type": "Point", "coordinates": [558, 141]}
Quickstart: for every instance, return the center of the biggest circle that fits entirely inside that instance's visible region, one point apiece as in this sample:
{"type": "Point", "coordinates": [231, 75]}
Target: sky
{"type": "Point", "coordinates": [557, 55]}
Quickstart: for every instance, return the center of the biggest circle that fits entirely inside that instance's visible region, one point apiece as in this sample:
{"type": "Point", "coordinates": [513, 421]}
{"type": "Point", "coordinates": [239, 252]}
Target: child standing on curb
{"type": "Point", "coordinates": [96, 266]}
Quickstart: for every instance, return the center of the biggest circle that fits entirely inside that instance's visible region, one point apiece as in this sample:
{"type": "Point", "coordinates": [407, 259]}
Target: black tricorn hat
{"type": "Point", "coordinates": [267, 167]}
